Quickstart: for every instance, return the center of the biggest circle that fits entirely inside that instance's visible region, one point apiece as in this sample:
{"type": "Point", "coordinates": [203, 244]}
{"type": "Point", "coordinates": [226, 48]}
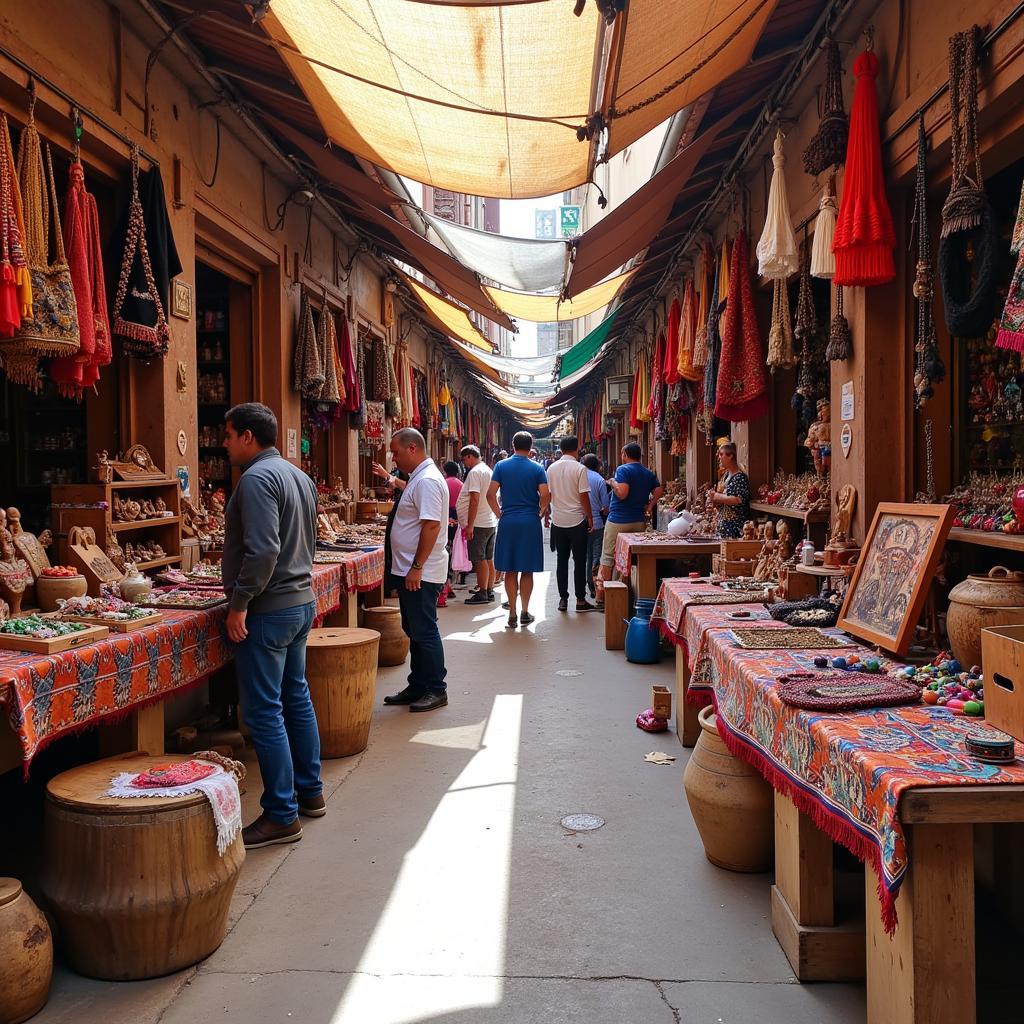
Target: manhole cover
{"type": "Point", "coordinates": [568, 672]}
{"type": "Point", "coordinates": [582, 822]}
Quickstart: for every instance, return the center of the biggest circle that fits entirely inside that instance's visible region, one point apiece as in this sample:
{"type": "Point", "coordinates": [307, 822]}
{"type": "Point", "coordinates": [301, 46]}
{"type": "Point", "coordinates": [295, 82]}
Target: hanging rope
{"type": "Point", "coordinates": [840, 342]}
{"type": "Point", "coordinates": [828, 147]}
{"type": "Point", "coordinates": [780, 335]}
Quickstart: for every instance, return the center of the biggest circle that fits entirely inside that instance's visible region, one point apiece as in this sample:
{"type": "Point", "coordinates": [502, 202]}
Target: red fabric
{"type": "Point", "coordinates": [654, 402]}
{"type": "Point", "coordinates": [671, 364]}
{"type": "Point", "coordinates": [352, 395]}
{"type": "Point", "coordinates": [634, 415]}
{"type": "Point", "coordinates": [742, 388]}
{"type": "Point", "coordinates": [864, 237]}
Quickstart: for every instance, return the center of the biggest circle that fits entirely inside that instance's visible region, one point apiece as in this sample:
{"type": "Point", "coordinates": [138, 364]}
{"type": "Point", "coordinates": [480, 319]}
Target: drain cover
{"type": "Point", "coordinates": [582, 822]}
{"type": "Point", "coordinates": [568, 672]}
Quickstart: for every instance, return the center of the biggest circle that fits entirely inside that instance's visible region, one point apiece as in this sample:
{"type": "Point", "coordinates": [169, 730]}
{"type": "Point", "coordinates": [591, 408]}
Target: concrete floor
{"type": "Point", "coordinates": [442, 888]}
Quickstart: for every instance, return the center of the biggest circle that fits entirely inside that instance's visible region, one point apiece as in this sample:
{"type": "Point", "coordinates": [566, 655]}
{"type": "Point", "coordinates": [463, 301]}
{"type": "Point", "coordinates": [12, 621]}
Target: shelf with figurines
{"type": "Point", "coordinates": [988, 509]}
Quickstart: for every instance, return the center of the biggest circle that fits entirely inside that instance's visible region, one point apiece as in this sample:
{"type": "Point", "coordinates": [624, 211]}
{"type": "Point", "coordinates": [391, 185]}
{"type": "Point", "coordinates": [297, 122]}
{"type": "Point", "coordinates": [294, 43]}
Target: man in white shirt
{"type": "Point", "coordinates": [478, 523]}
{"type": "Point", "coordinates": [419, 565]}
{"type": "Point", "coordinates": [571, 520]}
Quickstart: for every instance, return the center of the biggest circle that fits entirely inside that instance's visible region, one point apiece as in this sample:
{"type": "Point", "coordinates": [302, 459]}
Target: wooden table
{"type": "Point", "coordinates": [644, 555]}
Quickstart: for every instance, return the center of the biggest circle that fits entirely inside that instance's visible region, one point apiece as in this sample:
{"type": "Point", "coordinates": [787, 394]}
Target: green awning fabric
{"type": "Point", "coordinates": [575, 358]}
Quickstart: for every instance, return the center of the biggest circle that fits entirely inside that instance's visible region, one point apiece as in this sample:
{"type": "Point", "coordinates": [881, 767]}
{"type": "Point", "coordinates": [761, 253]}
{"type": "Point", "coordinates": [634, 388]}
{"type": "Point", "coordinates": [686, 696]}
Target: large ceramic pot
{"type": "Point", "coordinates": [995, 599]}
{"type": "Point", "coordinates": [52, 589]}
{"type": "Point", "coordinates": [26, 955]}
{"type": "Point", "coordinates": [732, 806]}
{"type": "Point", "coordinates": [394, 644]}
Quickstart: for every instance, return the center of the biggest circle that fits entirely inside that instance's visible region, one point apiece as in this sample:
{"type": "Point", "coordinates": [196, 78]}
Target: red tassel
{"type": "Point", "coordinates": [1012, 340]}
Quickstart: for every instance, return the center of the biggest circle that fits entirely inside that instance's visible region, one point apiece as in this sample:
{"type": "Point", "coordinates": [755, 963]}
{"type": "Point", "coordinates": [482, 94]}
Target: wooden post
{"type": "Point", "coordinates": [646, 574]}
{"type": "Point", "coordinates": [616, 606]}
{"type": "Point", "coordinates": [926, 971]}
{"type": "Point", "coordinates": [141, 730]}
{"type": "Point", "coordinates": [347, 614]}
{"type": "Point", "coordinates": [687, 726]}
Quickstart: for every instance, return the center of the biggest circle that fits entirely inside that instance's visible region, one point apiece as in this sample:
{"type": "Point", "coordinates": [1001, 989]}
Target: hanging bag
{"type": "Point", "coordinates": [51, 328]}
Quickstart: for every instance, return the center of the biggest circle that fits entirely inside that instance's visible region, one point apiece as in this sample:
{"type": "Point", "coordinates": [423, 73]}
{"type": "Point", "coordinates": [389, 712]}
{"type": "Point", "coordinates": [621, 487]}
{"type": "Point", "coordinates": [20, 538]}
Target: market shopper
{"type": "Point", "coordinates": [269, 539]}
{"type": "Point", "coordinates": [732, 495]}
{"type": "Point", "coordinates": [635, 492]}
{"type": "Point", "coordinates": [453, 479]}
{"type": "Point", "coordinates": [572, 521]}
{"type": "Point", "coordinates": [478, 523]}
{"type": "Point", "coordinates": [600, 495]}
{"type": "Point", "coordinates": [519, 546]}
{"type": "Point", "coordinates": [419, 559]}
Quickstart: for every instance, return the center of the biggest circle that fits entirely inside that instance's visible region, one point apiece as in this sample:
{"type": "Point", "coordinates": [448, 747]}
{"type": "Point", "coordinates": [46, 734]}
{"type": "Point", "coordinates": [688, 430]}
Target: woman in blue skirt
{"type": "Point", "coordinates": [519, 547]}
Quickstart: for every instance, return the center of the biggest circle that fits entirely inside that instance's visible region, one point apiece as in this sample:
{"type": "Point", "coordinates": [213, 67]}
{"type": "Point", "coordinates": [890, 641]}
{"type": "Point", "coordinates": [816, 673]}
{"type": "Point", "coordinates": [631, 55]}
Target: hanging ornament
{"type": "Point", "coordinates": [840, 341]}
{"type": "Point", "coordinates": [864, 238]}
{"type": "Point", "coordinates": [776, 251]}
{"type": "Point", "coordinates": [804, 329]}
{"type": "Point", "coordinates": [928, 368]}
{"type": "Point", "coordinates": [828, 147]}
{"type": "Point", "coordinates": [780, 335]}
{"type": "Point", "coordinates": [968, 226]}
{"type": "Point", "coordinates": [823, 260]}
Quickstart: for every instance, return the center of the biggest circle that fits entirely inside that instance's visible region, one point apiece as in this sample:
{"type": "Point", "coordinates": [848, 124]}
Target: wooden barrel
{"type": "Point", "coordinates": [136, 885]}
{"type": "Point", "coordinates": [394, 644]}
{"type": "Point", "coordinates": [341, 666]}
{"type": "Point", "coordinates": [26, 955]}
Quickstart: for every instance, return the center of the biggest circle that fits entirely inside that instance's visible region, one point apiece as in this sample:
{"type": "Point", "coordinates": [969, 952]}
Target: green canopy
{"type": "Point", "coordinates": [574, 359]}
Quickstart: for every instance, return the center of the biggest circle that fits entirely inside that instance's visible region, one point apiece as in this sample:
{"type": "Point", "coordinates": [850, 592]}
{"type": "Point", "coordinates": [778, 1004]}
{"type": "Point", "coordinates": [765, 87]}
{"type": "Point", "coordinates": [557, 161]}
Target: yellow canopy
{"type": "Point", "coordinates": [448, 317]}
{"type": "Point", "coordinates": [547, 309]}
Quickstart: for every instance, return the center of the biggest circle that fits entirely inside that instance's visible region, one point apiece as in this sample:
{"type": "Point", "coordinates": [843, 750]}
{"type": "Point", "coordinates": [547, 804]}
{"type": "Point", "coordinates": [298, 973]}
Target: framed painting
{"type": "Point", "coordinates": [890, 583]}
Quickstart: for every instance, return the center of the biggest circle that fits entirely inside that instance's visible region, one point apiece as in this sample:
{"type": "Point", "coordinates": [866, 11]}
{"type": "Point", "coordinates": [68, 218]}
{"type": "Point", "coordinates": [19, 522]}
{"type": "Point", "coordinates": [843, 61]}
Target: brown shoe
{"type": "Point", "coordinates": [264, 832]}
{"type": "Point", "coordinates": [312, 806]}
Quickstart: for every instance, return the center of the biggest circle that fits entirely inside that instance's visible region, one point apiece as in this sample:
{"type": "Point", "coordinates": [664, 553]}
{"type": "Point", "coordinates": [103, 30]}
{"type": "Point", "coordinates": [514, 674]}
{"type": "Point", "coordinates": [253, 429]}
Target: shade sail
{"type": "Point", "coordinates": [448, 317]}
{"type": "Point", "coordinates": [633, 224]}
{"type": "Point", "coordinates": [707, 41]}
{"type": "Point", "coordinates": [577, 357]}
{"type": "Point", "coordinates": [526, 366]}
{"type": "Point", "coordinates": [481, 100]}
{"type": "Point", "coordinates": [547, 309]}
{"type": "Point", "coordinates": [524, 264]}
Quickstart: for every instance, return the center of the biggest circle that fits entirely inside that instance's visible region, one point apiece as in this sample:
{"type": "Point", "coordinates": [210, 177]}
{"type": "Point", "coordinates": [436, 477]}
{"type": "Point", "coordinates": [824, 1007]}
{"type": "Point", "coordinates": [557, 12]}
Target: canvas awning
{"type": "Point", "coordinates": [447, 317]}
{"type": "Point", "coordinates": [548, 309]}
{"type": "Point", "coordinates": [513, 366]}
{"type": "Point", "coordinates": [577, 357]}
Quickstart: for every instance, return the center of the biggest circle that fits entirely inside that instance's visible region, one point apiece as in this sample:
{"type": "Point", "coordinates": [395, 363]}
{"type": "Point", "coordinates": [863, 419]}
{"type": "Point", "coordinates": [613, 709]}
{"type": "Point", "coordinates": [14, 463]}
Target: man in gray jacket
{"type": "Point", "coordinates": [269, 539]}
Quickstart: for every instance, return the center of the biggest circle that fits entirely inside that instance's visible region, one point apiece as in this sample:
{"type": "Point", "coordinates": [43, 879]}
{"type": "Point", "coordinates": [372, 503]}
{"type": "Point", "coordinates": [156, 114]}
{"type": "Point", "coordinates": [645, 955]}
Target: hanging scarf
{"type": "Point", "coordinates": [928, 368]}
{"type": "Point", "coordinates": [307, 369]}
{"type": "Point", "coordinates": [741, 392]}
{"type": "Point", "coordinates": [149, 263]}
{"type": "Point", "coordinates": [349, 381]}
{"type": "Point", "coordinates": [700, 338]}
{"type": "Point", "coordinates": [823, 259]}
{"type": "Point", "coordinates": [723, 273]}
{"type": "Point", "coordinates": [670, 372]}
{"type": "Point", "coordinates": [643, 405]}
{"type": "Point", "coordinates": [655, 404]}
{"type": "Point", "coordinates": [359, 414]}
{"type": "Point", "coordinates": [967, 221]}
{"type": "Point", "coordinates": [828, 147]}
{"type": "Point", "coordinates": [634, 402]}
{"type": "Point", "coordinates": [330, 392]}
{"type": "Point", "coordinates": [864, 238]}
{"type": "Point", "coordinates": [15, 279]}
{"type": "Point", "coordinates": [381, 373]}
{"type": "Point", "coordinates": [394, 401]}
{"type": "Point", "coordinates": [688, 334]}
{"type": "Point", "coordinates": [776, 250]}
{"type": "Point", "coordinates": [780, 335]}
{"type": "Point", "coordinates": [705, 418]}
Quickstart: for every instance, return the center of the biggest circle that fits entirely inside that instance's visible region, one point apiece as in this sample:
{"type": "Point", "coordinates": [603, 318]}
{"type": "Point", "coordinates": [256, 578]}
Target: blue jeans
{"type": "Point", "coordinates": [595, 541]}
{"type": "Point", "coordinates": [426, 652]}
{"type": "Point", "coordinates": [272, 685]}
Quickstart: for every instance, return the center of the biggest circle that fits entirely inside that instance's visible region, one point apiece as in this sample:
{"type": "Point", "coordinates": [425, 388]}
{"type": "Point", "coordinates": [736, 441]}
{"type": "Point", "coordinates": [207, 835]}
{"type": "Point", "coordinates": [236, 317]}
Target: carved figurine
{"type": "Point", "coordinates": [819, 438]}
{"type": "Point", "coordinates": [764, 569]}
{"type": "Point", "coordinates": [103, 472]}
{"type": "Point", "coordinates": [160, 506]}
{"type": "Point", "coordinates": [148, 509]}
{"type": "Point", "coordinates": [784, 546]}
{"type": "Point", "coordinates": [749, 530]}
{"type": "Point", "coordinates": [114, 551]}
{"type": "Point", "coordinates": [15, 575]}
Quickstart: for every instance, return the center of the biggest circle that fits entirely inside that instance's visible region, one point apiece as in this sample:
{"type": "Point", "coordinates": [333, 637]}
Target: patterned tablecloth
{"type": "Point", "coordinates": [364, 570]}
{"type": "Point", "coordinates": [625, 541]}
{"type": "Point", "coordinates": [49, 696]}
{"type": "Point", "coordinates": [676, 595]}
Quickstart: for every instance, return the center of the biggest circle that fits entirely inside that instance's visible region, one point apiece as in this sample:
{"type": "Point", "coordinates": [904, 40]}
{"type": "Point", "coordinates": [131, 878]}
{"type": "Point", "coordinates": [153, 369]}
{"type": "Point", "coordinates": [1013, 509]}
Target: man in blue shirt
{"type": "Point", "coordinates": [600, 495]}
{"type": "Point", "coordinates": [635, 492]}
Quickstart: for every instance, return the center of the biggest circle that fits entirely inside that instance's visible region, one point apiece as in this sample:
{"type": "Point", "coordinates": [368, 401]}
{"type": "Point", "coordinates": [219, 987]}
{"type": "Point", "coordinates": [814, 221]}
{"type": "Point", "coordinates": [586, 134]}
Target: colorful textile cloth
{"type": "Point", "coordinates": [676, 595]}
{"type": "Point", "coordinates": [1011, 323]}
{"type": "Point", "coordinates": [363, 571]}
{"type": "Point", "coordinates": [626, 542]}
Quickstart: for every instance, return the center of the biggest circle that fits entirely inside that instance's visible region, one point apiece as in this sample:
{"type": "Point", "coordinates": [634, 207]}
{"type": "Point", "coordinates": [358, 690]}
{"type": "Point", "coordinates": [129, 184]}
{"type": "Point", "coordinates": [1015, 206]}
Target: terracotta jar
{"type": "Point", "coordinates": [732, 806]}
{"type": "Point", "coordinates": [995, 599]}
{"type": "Point", "coordinates": [394, 644]}
{"type": "Point", "coordinates": [52, 589]}
{"type": "Point", "coordinates": [26, 955]}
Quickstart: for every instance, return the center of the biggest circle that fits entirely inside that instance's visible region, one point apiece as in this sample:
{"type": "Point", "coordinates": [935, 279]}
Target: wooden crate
{"type": "Point", "coordinates": [54, 645]}
{"type": "Point", "coordinates": [723, 566]}
{"type": "Point", "coordinates": [117, 625]}
{"type": "Point", "coordinates": [737, 549]}
{"type": "Point", "coordinates": [1002, 661]}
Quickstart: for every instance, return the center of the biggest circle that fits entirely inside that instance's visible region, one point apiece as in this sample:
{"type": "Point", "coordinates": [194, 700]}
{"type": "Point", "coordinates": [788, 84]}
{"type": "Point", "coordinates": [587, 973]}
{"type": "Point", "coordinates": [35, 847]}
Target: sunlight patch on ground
{"type": "Point", "coordinates": [447, 913]}
{"type": "Point", "coordinates": [460, 737]}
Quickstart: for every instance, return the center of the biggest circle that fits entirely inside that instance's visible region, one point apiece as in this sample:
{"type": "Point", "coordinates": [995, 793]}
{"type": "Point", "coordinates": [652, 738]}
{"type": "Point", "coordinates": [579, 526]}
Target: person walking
{"type": "Point", "coordinates": [419, 564]}
{"type": "Point", "coordinates": [478, 523]}
{"type": "Point", "coordinates": [635, 492]}
{"type": "Point", "coordinates": [732, 495]}
{"type": "Point", "coordinates": [267, 569]}
{"type": "Point", "coordinates": [571, 521]}
{"type": "Point", "coordinates": [600, 494]}
{"type": "Point", "coordinates": [519, 546]}
{"type": "Point", "coordinates": [453, 479]}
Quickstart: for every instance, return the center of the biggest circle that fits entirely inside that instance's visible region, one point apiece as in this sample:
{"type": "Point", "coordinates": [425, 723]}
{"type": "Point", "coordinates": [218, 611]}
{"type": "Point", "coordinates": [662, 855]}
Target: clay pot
{"type": "Point", "coordinates": [51, 589]}
{"type": "Point", "coordinates": [26, 955]}
{"type": "Point", "coordinates": [135, 587]}
{"type": "Point", "coordinates": [995, 599]}
{"type": "Point", "coordinates": [394, 644]}
{"type": "Point", "coordinates": [732, 806]}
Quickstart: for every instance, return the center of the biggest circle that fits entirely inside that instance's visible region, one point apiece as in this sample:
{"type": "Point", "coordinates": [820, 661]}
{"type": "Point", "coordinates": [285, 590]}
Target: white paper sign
{"type": "Point", "coordinates": [846, 408]}
{"type": "Point", "coordinates": [846, 440]}
{"type": "Point", "coordinates": [293, 443]}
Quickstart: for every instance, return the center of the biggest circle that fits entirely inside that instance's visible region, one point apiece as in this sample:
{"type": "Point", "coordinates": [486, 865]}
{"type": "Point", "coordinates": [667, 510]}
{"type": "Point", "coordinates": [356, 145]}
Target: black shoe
{"type": "Point", "coordinates": [526, 618]}
{"type": "Point", "coordinates": [429, 702]}
{"type": "Point", "coordinates": [513, 622]}
{"type": "Point", "coordinates": [504, 604]}
{"type": "Point", "coordinates": [407, 696]}
{"type": "Point", "coordinates": [563, 604]}
{"type": "Point", "coordinates": [585, 606]}
{"type": "Point", "coordinates": [480, 597]}
{"type": "Point", "coordinates": [490, 595]}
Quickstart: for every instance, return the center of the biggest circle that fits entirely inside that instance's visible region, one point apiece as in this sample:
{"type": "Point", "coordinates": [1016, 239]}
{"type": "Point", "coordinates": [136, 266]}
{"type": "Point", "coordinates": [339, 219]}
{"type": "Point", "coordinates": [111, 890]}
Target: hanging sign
{"type": "Point", "coordinates": [846, 440]}
{"type": "Point", "coordinates": [846, 408]}
{"type": "Point", "coordinates": [293, 443]}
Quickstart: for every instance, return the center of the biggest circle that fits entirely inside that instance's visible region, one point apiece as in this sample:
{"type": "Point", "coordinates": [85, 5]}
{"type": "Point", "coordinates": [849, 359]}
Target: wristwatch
{"type": "Point", "coordinates": [417, 565]}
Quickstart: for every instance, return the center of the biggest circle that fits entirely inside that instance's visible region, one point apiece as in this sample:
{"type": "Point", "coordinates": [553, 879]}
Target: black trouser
{"type": "Point", "coordinates": [571, 540]}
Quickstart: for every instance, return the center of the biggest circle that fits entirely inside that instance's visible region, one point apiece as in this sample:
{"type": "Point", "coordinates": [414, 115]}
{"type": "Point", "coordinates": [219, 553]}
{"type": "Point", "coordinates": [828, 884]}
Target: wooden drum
{"type": "Point", "coordinates": [136, 885]}
{"type": "Point", "coordinates": [341, 666]}
{"type": "Point", "coordinates": [394, 644]}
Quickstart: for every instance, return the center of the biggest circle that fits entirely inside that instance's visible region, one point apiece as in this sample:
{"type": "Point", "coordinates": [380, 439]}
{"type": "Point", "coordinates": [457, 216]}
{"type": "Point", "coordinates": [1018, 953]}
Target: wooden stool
{"type": "Point", "coordinates": [394, 644]}
{"type": "Point", "coordinates": [616, 608]}
{"type": "Point", "coordinates": [341, 666]}
{"type": "Point", "coordinates": [137, 886]}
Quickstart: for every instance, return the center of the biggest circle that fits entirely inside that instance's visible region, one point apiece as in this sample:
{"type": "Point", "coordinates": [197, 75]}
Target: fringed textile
{"type": "Point", "coordinates": [776, 249]}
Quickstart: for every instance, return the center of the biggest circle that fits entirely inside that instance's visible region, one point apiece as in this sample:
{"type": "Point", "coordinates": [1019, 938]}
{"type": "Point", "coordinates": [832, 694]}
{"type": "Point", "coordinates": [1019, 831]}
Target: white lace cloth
{"type": "Point", "coordinates": [220, 789]}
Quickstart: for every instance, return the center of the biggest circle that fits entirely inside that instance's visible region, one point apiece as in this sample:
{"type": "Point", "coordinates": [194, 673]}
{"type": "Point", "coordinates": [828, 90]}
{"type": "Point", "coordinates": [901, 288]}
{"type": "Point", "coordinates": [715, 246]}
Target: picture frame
{"type": "Point", "coordinates": [181, 299]}
{"type": "Point", "coordinates": [892, 577]}
{"type": "Point", "coordinates": [619, 391]}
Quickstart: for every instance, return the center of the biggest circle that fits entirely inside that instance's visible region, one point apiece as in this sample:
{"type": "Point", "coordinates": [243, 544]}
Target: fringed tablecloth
{"type": "Point", "coordinates": [364, 570]}
{"type": "Point", "coordinates": [625, 542]}
{"type": "Point", "coordinates": [677, 594]}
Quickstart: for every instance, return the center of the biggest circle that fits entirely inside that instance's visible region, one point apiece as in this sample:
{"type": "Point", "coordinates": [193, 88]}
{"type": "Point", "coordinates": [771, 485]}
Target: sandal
{"type": "Point", "coordinates": [513, 622]}
{"type": "Point", "coordinates": [526, 618]}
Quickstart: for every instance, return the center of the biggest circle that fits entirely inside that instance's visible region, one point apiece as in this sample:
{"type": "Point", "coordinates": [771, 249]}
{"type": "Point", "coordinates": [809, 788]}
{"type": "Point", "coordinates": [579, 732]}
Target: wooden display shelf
{"type": "Point", "coordinates": [135, 485]}
{"type": "Point", "coordinates": [815, 516]}
{"type": "Point", "coordinates": [157, 562]}
{"type": "Point", "coordinates": [825, 570]}
{"type": "Point", "coordinates": [141, 524]}
{"type": "Point", "coordinates": [986, 539]}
